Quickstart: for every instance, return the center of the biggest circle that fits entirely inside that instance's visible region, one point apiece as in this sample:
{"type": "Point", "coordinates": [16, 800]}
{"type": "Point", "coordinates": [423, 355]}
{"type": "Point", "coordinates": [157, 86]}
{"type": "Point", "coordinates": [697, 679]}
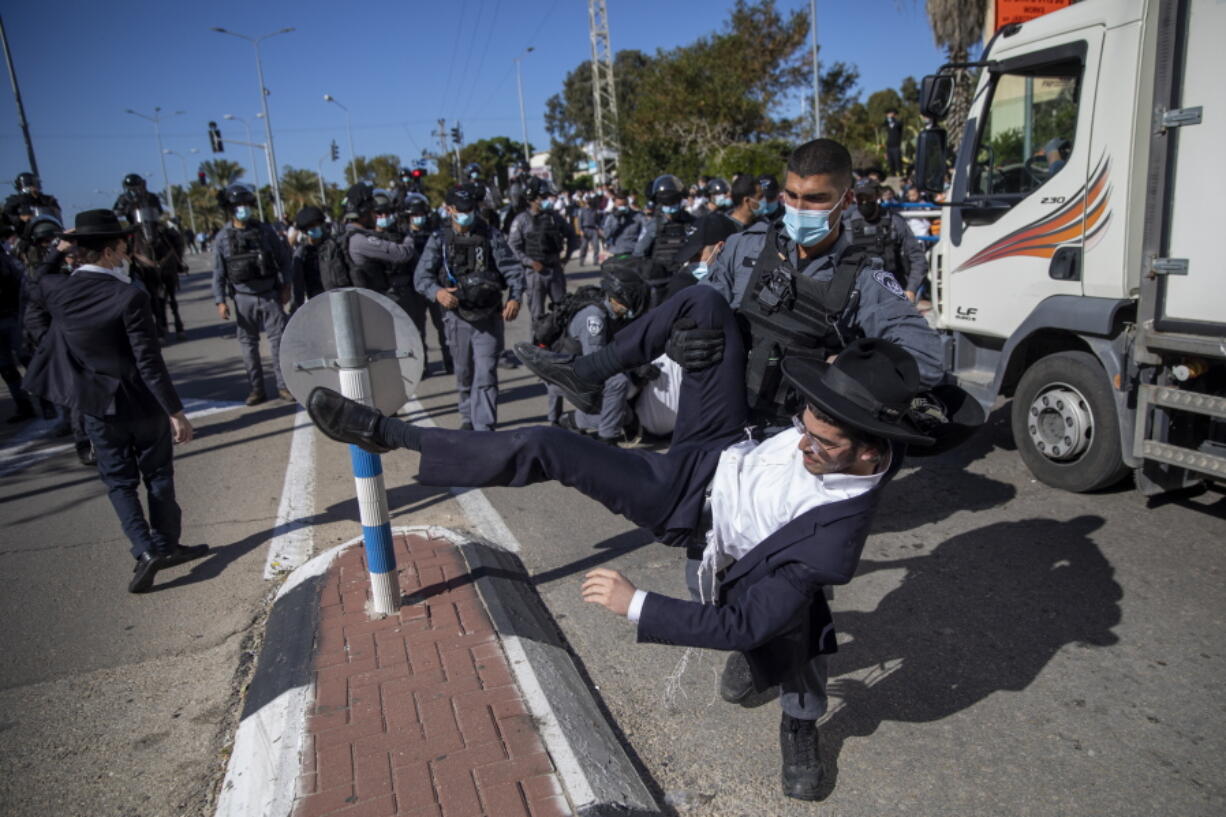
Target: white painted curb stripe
{"type": "Point", "coordinates": [293, 537]}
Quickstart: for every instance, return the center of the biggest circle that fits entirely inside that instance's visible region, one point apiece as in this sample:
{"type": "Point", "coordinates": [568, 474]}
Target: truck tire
{"type": "Point", "coordinates": [1065, 423]}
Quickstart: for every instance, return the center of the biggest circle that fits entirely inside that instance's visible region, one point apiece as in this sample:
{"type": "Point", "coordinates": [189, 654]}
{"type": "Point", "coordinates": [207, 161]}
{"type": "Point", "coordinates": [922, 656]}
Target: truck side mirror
{"type": "Point", "coordinates": [930, 160]}
{"type": "Point", "coordinates": [936, 95]}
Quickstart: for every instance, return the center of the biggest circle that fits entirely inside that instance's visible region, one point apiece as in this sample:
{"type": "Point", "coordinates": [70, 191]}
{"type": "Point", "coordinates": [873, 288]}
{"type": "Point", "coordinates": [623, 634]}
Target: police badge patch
{"type": "Point", "coordinates": [887, 280]}
{"type": "Point", "coordinates": [595, 325]}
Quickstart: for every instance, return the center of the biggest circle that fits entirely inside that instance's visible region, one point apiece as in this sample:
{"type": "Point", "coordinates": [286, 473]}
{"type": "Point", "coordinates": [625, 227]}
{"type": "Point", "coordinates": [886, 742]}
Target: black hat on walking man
{"type": "Point", "coordinates": [98, 224]}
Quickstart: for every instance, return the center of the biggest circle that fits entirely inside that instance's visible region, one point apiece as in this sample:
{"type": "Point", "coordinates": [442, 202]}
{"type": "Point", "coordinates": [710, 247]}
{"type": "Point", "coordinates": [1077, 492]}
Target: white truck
{"type": "Point", "coordinates": [1079, 269]}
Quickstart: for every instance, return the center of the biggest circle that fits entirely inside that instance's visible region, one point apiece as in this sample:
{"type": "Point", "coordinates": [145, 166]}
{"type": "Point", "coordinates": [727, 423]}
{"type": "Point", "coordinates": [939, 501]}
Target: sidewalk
{"type": "Point", "coordinates": [418, 714]}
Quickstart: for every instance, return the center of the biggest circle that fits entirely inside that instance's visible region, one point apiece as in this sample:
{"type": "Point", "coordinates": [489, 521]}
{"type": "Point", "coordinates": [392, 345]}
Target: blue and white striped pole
{"type": "Point", "coordinates": [367, 468]}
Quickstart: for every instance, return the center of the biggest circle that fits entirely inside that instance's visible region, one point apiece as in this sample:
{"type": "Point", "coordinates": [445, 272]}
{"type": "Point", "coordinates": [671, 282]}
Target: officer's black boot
{"type": "Point", "coordinates": [802, 770]}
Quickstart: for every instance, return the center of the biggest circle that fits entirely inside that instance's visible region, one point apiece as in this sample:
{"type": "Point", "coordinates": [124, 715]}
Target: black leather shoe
{"type": "Point", "coordinates": [559, 370]}
{"type": "Point", "coordinates": [255, 398]}
{"type": "Point", "coordinates": [345, 420]}
{"type": "Point", "coordinates": [736, 681]}
{"type": "Point", "coordinates": [466, 426]}
{"type": "Point", "coordinates": [85, 453]}
{"type": "Point", "coordinates": [179, 554]}
{"type": "Point", "coordinates": [568, 422]}
{"type": "Point", "coordinates": [147, 566]}
{"type": "Point", "coordinates": [802, 770]}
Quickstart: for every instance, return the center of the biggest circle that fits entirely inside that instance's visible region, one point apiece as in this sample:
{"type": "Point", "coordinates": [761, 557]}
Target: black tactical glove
{"type": "Point", "coordinates": [645, 373]}
{"type": "Point", "coordinates": [694, 349]}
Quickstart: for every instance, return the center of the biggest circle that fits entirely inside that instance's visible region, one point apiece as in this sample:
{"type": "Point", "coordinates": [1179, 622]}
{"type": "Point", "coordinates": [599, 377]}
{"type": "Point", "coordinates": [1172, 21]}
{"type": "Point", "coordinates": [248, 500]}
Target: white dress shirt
{"type": "Point", "coordinates": [757, 489]}
{"type": "Point", "coordinates": [121, 273]}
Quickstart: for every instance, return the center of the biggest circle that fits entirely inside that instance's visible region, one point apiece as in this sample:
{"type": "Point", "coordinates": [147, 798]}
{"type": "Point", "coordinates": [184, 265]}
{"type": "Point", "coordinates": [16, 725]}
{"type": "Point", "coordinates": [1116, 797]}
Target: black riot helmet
{"type": "Point", "coordinates": [359, 200]}
{"type": "Point", "coordinates": [536, 188]}
{"type": "Point", "coordinates": [237, 194]}
{"type": "Point", "coordinates": [27, 182]}
{"type": "Point", "coordinates": [44, 227]}
{"type": "Point", "coordinates": [133, 181]}
{"type": "Point", "coordinates": [666, 190]}
{"type": "Point", "coordinates": [417, 205]}
{"type": "Point", "coordinates": [718, 187]}
{"type": "Point", "coordinates": [472, 171]}
{"type": "Point", "coordinates": [381, 202]}
{"type": "Point", "coordinates": [624, 285]}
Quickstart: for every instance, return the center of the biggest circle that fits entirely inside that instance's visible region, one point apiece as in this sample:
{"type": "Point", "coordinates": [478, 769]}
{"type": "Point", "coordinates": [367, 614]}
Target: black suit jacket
{"type": "Point", "coordinates": [101, 355]}
{"type": "Point", "coordinates": [771, 602]}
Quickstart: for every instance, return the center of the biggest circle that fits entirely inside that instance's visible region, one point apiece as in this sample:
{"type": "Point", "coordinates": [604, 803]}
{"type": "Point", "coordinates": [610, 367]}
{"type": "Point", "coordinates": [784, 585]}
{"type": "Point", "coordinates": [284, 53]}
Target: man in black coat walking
{"type": "Point", "coordinates": [102, 357]}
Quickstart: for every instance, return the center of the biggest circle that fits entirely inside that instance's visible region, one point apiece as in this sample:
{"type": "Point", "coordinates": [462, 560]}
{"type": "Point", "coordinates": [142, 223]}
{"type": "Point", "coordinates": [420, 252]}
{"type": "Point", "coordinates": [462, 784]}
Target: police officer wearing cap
{"type": "Point", "coordinates": [252, 265]}
{"type": "Point", "coordinates": [465, 267]}
{"type": "Point", "coordinates": [539, 236]}
{"type": "Point", "coordinates": [884, 234]}
{"type": "Point", "coordinates": [312, 225]}
{"type": "Point", "coordinates": [621, 226]}
{"type": "Point", "coordinates": [29, 202]}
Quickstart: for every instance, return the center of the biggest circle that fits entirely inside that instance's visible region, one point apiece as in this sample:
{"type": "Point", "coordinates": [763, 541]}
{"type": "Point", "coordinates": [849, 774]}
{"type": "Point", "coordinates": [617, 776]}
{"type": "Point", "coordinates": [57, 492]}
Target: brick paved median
{"type": "Point", "coordinates": [418, 714]}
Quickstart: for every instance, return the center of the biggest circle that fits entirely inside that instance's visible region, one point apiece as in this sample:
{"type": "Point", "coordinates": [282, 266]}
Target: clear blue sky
{"type": "Point", "coordinates": [397, 66]}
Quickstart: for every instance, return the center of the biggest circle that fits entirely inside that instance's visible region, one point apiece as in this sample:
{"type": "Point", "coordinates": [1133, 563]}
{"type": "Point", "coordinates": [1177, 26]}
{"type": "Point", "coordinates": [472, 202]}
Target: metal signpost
{"type": "Point", "coordinates": [363, 345]}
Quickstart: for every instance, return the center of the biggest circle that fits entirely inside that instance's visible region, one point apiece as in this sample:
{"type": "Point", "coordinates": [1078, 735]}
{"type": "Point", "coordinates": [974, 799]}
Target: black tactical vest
{"type": "Point", "coordinates": [783, 314]}
{"type": "Point", "coordinates": [247, 261]}
{"type": "Point", "coordinates": [468, 265]}
{"type": "Point", "coordinates": [368, 273]}
{"type": "Point", "coordinates": [879, 240]}
{"type": "Point", "coordinates": [670, 237]}
{"type": "Point", "coordinates": [544, 242]}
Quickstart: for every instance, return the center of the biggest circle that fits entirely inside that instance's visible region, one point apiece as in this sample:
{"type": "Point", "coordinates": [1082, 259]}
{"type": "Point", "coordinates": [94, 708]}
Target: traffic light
{"type": "Point", "coordinates": [215, 138]}
{"type": "Point", "coordinates": [457, 135]}
{"type": "Point", "coordinates": [417, 173]}
{"type": "Point", "coordinates": [336, 154]}
{"type": "Point", "coordinates": [202, 176]}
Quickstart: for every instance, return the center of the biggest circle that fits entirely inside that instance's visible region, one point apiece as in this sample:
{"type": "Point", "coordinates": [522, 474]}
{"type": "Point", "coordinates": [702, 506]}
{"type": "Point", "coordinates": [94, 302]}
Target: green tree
{"type": "Point", "coordinates": [495, 156]}
{"type": "Point", "coordinates": [299, 188]}
{"type": "Point", "coordinates": [221, 172]}
{"type": "Point", "coordinates": [570, 116]}
{"type": "Point", "coordinates": [564, 162]}
{"type": "Point", "coordinates": [957, 26]}
{"type": "Point", "coordinates": [381, 171]}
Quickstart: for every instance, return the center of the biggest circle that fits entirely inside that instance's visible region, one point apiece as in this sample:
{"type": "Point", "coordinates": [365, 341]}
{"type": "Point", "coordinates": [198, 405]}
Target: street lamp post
{"type": "Point", "coordinates": [255, 170]}
{"type": "Point", "coordinates": [323, 198]}
{"type": "Point", "coordinates": [259, 68]}
{"type": "Point", "coordinates": [519, 82]}
{"type": "Point", "coordinates": [353, 157]}
{"type": "Point", "coordinates": [156, 119]}
{"type": "Point", "coordinates": [191, 213]}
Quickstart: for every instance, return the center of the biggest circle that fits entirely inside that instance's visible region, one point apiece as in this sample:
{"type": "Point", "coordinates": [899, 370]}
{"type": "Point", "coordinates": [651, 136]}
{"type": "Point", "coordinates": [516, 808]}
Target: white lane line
{"type": "Point", "coordinates": [477, 508]}
{"type": "Point", "coordinates": [18, 457]}
{"type": "Point", "coordinates": [292, 540]}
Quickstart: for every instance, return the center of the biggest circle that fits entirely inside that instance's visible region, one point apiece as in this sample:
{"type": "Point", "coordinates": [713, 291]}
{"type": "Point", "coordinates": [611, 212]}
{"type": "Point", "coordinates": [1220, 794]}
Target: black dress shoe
{"type": "Point", "coordinates": [147, 566]}
{"type": "Point", "coordinates": [345, 420]}
{"type": "Point", "coordinates": [179, 554]}
{"type": "Point", "coordinates": [559, 370]}
{"type": "Point", "coordinates": [736, 681]}
{"type": "Point", "coordinates": [255, 398]}
{"type": "Point", "coordinates": [802, 770]}
{"type": "Point", "coordinates": [85, 453]}
{"type": "Point", "coordinates": [466, 426]}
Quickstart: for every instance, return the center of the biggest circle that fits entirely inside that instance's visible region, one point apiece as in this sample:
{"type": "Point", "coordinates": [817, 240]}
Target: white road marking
{"type": "Point", "coordinates": [293, 540]}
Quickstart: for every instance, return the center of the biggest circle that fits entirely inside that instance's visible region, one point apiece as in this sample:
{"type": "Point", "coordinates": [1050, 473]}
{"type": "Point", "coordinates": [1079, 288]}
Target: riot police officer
{"type": "Point", "coordinates": [307, 282]}
{"type": "Point", "coordinates": [719, 193]}
{"type": "Point", "coordinates": [157, 252]}
{"type": "Point", "coordinates": [621, 227]}
{"type": "Point", "coordinates": [400, 274]}
{"type": "Point", "coordinates": [29, 202]}
{"type": "Point", "coordinates": [422, 222]}
{"type": "Point", "coordinates": [516, 184]}
{"type": "Point", "coordinates": [663, 236]}
{"type": "Point", "coordinates": [252, 265]}
{"type": "Point", "coordinates": [769, 207]}
{"type": "Point", "coordinates": [489, 195]}
{"type": "Point", "coordinates": [375, 258]}
{"type": "Point", "coordinates": [885, 234]}
{"type": "Point", "coordinates": [466, 267]}
{"type": "Point", "coordinates": [538, 238]}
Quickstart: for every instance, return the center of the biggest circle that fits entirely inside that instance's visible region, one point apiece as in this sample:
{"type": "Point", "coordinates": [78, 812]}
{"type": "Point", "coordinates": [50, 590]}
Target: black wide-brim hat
{"type": "Point", "coordinates": [869, 387]}
{"type": "Point", "coordinates": [98, 224]}
{"type": "Point", "coordinates": [710, 229]}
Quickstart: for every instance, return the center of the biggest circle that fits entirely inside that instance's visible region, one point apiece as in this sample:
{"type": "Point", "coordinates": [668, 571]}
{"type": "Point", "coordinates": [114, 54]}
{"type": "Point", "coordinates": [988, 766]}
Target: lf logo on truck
{"type": "Point", "coordinates": [964, 313]}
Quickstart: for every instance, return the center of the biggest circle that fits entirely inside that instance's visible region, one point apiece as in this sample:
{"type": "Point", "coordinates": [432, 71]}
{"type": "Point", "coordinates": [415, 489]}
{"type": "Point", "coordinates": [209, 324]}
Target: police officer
{"type": "Point", "coordinates": [589, 224]}
{"type": "Point", "coordinates": [719, 194]}
{"type": "Point", "coordinates": [313, 227]}
{"type": "Point", "coordinates": [885, 235]}
{"type": "Point", "coordinates": [375, 257]}
{"type": "Point", "coordinates": [252, 265]}
{"type": "Point", "coordinates": [591, 329]}
{"type": "Point", "coordinates": [466, 267]}
{"type": "Point", "coordinates": [805, 290]}
{"type": "Point", "coordinates": [664, 235]}
{"type": "Point", "coordinates": [621, 226]}
{"type": "Point", "coordinates": [538, 238]}
{"type": "Point", "coordinates": [29, 202]}
{"type": "Point", "coordinates": [400, 274]}
{"type": "Point", "coordinates": [490, 196]}
{"type": "Point", "coordinates": [422, 222]}
{"type": "Point", "coordinates": [157, 253]}
{"type": "Point", "coordinates": [769, 208]}
{"type": "Point", "coordinates": [516, 184]}
{"type": "Point", "coordinates": [11, 272]}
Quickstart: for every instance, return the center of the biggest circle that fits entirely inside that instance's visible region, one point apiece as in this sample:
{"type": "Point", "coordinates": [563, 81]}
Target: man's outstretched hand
{"type": "Point", "coordinates": [694, 349]}
{"type": "Point", "coordinates": [610, 588]}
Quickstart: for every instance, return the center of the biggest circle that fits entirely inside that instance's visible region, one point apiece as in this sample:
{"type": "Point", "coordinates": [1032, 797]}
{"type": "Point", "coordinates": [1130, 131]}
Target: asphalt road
{"type": "Point", "coordinates": [1005, 649]}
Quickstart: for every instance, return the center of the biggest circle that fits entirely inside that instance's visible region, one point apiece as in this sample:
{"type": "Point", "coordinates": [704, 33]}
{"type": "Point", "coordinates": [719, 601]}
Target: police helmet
{"type": "Point", "coordinates": [624, 285]}
{"type": "Point", "coordinates": [417, 205]}
{"type": "Point", "coordinates": [718, 187]}
{"type": "Point", "coordinates": [463, 198]}
{"type": "Point", "coordinates": [666, 189]}
{"type": "Point", "coordinates": [26, 181]}
{"type": "Point", "coordinates": [536, 188]}
{"type": "Point", "coordinates": [382, 202]}
{"type": "Point", "coordinates": [44, 227]}
{"type": "Point", "coordinates": [472, 170]}
{"type": "Point", "coordinates": [867, 189]}
{"type": "Point", "coordinates": [133, 181]}
{"type": "Point", "coordinates": [308, 217]}
{"type": "Point", "coordinates": [237, 194]}
{"type": "Point", "coordinates": [359, 199]}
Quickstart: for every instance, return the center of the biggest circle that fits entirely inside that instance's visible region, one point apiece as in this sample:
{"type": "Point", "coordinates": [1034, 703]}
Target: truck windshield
{"type": "Point", "coordinates": [1027, 134]}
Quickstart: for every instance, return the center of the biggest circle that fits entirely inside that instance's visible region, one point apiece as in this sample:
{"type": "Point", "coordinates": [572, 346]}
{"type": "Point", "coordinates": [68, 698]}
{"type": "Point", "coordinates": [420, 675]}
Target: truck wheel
{"type": "Point", "coordinates": [1065, 424]}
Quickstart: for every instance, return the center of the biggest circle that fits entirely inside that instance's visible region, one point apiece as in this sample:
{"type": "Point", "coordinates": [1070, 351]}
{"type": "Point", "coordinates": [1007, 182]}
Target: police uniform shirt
{"type": "Point", "coordinates": [912, 253]}
{"type": "Point", "coordinates": [647, 236]}
{"type": "Point", "coordinates": [365, 245]}
{"type": "Point", "coordinates": [275, 250]}
{"type": "Point", "coordinates": [430, 265]}
{"type": "Point", "coordinates": [878, 307]}
{"type": "Point", "coordinates": [522, 224]}
{"type": "Point", "coordinates": [590, 326]}
{"type": "Point", "coordinates": [621, 232]}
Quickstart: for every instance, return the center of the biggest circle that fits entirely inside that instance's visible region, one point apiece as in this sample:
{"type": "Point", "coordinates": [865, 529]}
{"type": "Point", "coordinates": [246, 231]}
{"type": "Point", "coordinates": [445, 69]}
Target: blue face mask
{"type": "Point", "coordinates": [316, 232]}
{"type": "Point", "coordinates": [699, 270]}
{"type": "Point", "coordinates": [384, 221]}
{"type": "Point", "coordinates": [807, 227]}
{"type": "Point", "coordinates": [242, 213]}
{"type": "Point", "coordinates": [670, 209]}
{"type": "Point", "coordinates": [419, 221]}
{"type": "Point", "coordinates": [723, 202]}
{"type": "Point", "coordinates": [766, 207]}
{"type": "Point", "coordinates": [547, 204]}
{"type": "Point", "coordinates": [623, 209]}
{"type": "Point", "coordinates": [464, 219]}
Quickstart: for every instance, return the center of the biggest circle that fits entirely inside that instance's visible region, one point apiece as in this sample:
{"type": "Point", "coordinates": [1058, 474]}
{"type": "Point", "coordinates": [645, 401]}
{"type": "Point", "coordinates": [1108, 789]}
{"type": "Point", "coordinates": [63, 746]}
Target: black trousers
{"type": "Point", "coordinates": [663, 492]}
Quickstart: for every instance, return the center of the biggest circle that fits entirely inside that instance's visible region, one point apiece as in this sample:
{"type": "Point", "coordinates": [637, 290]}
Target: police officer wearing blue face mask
{"type": "Point", "coordinates": [779, 278]}
{"type": "Point", "coordinates": [769, 207]}
{"type": "Point", "coordinates": [662, 238]}
{"type": "Point", "coordinates": [621, 227]}
{"type": "Point", "coordinates": [307, 283]}
{"type": "Point", "coordinates": [543, 240]}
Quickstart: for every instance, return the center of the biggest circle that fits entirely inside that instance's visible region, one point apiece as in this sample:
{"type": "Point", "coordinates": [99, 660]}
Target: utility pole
{"type": "Point", "coordinates": [817, 104]}
{"type": "Point", "coordinates": [604, 91]}
{"type": "Point", "coordinates": [442, 143]}
{"type": "Point", "coordinates": [21, 108]}
{"type": "Point", "coordinates": [519, 82]}
{"type": "Point", "coordinates": [156, 119]}
{"type": "Point", "coordinates": [323, 198]}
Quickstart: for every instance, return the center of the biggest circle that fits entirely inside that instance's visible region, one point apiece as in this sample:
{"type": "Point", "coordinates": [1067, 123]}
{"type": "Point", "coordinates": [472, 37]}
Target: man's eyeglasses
{"type": "Point", "coordinates": [813, 444]}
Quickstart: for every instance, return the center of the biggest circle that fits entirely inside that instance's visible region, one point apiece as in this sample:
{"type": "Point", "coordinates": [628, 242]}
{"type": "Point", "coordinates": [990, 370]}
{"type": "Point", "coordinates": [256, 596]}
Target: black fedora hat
{"type": "Point", "coordinates": [869, 386]}
{"type": "Point", "coordinates": [98, 224]}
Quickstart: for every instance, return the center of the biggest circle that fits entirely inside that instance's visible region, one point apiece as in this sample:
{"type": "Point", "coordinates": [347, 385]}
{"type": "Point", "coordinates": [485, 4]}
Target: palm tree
{"type": "Point", "coordinates": [381, 171]}
{"type": "Point", "coordinates": [221, 172]}
{"type": "Point", "coordinates": [299, 188]}
{"type": "Point", "coordinates": [956, 26]}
